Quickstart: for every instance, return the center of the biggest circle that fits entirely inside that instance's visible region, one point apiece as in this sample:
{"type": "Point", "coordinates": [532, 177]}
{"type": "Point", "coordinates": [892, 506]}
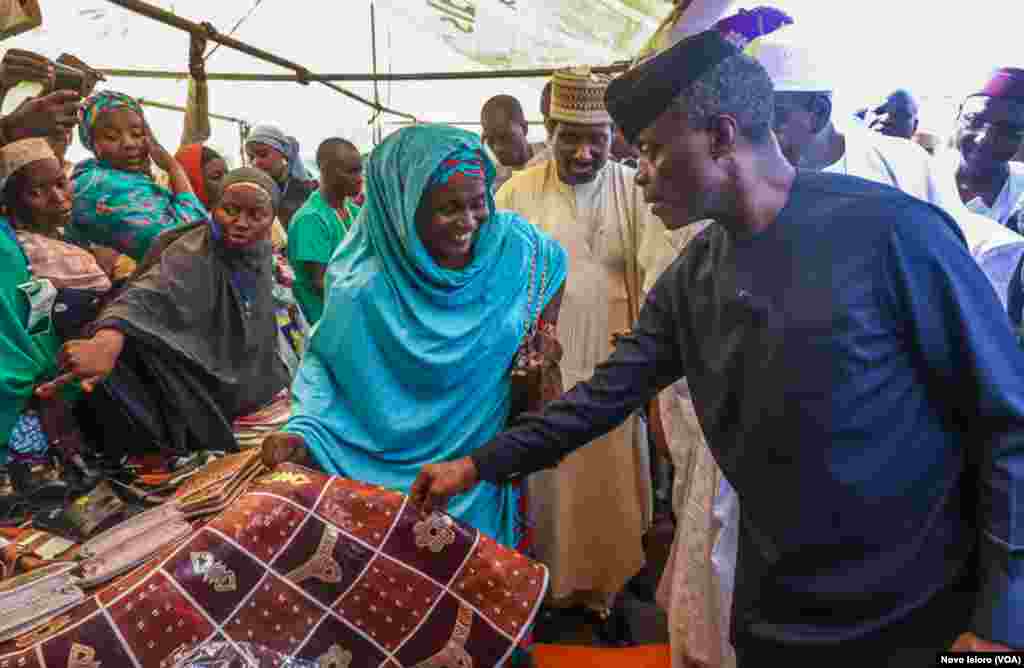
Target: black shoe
{"type": "Point", "coordinates": [612, 627]}
{"type": "Point", "coordinates": [11, 503]}
{"type": "Point", "coordinates": [37, 482]}
{"type": "Point", "coordinates": [117, 468]}
{"type": "Point", "coordinates": [643, 586]}
{"type": "Point", "coordinates": [86, 478]}
{"type": "Point", "coordinates": [558, 626]}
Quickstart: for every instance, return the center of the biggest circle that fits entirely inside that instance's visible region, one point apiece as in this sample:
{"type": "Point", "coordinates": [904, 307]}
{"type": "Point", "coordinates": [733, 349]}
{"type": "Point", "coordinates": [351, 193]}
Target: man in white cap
{"type": "Point", "coordinates": [811, 139]}
{"type": "Point", "coordinates": [591, 512]}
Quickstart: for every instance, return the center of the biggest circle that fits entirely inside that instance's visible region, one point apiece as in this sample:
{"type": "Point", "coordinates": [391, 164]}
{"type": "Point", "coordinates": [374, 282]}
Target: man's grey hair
{"type": "Point", "coordinates": [740, 87]}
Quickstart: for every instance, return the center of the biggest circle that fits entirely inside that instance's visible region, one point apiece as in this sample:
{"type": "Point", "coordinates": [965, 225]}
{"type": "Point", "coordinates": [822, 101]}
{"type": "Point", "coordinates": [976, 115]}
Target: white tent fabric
{"type": "Point", "coordinates": [335, 37]}
{"type": "Point", "coordinates": [876, 45]}
{"type": "Point", "coordinates": [536, 32]}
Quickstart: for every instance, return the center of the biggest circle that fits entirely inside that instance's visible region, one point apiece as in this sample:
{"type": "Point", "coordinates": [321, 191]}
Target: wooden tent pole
{"type": "Point", "coordinates": [540, 73]}
{"type": "Point", "coordinates": [302, 75]}
{"type": "Point", "coordinates": [171, 107]}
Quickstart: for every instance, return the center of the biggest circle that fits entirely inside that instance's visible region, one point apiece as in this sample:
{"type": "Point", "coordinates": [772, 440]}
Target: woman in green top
{"type": "Point", "coordinates": [117, 203]}
{"type": "Point", "coordinates": [319, 227]}
{"type": "Point", "coordinates": [41, 275]}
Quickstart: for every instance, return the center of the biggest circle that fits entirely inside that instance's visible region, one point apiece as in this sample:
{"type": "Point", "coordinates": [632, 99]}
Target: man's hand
{"type": "Point", "coordinates": [281, 447]}
{"type": "Point", "coordinates": [968, 642]}
{"type": "Point", "coordinates": [437, 483]}
{"type": "Point", "coordinates": [19, 65]}
{"type": "Point", "coordinates": [197, 57]}
{"type": "Point", "coordinates": [91, 76]}
{"type": "Point", "coordinates": [43, 116]}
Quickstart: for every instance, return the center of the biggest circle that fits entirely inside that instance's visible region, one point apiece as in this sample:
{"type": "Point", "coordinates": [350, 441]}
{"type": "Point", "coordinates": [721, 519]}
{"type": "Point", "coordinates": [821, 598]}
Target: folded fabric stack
{"type": "Point", "coordinates": [42, 594]}
{"type": "Point", "coordinates": [218, 484]}
{"type": "Point", "coordinates": [250, 430]}
{"type": "Point", "coordinates": [86, 516]}
{"type": "Point", "coordinates": [25, 549]}
{"type": "Point", "coordinates": [130, 543]}
{"type": "Point", "coordinates": [51, 588]}
{"type": "Point", "coordinates": [40, 544]}
{"type": "Point", "coordinates": [102, 535]}
{"type": "Point", "coordinates": [153, 485]}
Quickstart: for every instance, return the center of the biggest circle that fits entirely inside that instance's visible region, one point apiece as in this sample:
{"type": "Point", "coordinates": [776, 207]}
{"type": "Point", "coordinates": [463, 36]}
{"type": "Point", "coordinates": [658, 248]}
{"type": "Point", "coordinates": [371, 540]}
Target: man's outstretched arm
{"type": "Point", "coordinates": [644, 362]}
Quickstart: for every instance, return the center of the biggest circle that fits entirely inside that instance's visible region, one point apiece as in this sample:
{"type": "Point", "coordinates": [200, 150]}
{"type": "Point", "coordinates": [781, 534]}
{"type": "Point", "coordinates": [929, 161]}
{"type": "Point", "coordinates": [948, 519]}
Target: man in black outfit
{"type": "Point", "coordinates": [852, 369]}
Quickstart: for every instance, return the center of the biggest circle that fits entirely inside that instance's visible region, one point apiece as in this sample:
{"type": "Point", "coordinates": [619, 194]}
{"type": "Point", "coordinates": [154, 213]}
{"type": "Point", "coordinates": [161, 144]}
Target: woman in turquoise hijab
{"type": "Point", "coordinates": [427, 303]}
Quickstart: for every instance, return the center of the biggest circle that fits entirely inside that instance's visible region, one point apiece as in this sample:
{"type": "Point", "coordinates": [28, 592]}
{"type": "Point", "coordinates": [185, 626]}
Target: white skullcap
{"type": "Point", "coordinates": [790, 63]}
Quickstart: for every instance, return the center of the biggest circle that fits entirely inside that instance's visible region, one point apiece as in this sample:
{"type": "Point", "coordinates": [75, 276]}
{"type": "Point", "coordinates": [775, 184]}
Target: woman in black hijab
{"type": "Point", "coordinates": [191, 342]}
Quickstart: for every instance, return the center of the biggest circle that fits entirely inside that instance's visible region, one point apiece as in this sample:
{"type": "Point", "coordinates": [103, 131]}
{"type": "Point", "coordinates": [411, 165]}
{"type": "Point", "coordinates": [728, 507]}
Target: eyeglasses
{"type": "Point", "coordinates": [998, 131]}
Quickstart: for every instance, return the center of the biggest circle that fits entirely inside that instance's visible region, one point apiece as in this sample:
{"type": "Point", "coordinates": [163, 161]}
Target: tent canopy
{"type": "Point", "coordinates": [882, 45]}
{"type": "Point", "coordinates": [412, 36]}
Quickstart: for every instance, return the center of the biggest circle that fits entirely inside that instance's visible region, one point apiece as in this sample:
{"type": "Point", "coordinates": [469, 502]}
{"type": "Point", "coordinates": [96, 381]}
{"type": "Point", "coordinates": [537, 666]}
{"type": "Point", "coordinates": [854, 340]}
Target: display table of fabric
{"type": "Point", "coordinates": [306, 566]}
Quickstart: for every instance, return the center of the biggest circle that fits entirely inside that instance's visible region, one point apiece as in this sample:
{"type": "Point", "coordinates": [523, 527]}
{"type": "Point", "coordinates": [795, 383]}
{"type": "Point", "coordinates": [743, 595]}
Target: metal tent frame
{"type": "Point", "coordinates": [301, 74]}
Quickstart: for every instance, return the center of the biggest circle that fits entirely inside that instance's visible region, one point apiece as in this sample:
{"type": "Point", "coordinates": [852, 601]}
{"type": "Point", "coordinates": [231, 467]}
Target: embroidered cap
{"type": "Point", "coordinates": [577, 96]}
{"type": "Point", "coordinates": [1006, 83]}
{"type": "Point", "coordinates": [17, 154]}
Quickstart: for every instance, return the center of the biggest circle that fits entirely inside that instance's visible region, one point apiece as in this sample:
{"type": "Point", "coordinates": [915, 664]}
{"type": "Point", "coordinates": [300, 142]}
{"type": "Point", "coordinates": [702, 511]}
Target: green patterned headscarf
{"type": "Point", "coordinates": [106, 100]}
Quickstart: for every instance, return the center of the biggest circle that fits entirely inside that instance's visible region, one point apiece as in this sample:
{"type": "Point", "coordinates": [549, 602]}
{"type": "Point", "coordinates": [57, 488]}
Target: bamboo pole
{"type": "Point", "coordinates": [354, 77]}
{"type": "Point", "coordinates": [302, 75]}
{"type": "Point", "coordinates": [458, 124]}
{"type": "Point", "coordinates": [171, 107]}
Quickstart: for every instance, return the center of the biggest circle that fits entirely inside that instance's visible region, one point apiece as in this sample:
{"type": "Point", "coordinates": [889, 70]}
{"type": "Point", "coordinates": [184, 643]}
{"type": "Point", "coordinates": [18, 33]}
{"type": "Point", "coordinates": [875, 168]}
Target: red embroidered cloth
{"type": "Point", "coordinates": [329, 570]}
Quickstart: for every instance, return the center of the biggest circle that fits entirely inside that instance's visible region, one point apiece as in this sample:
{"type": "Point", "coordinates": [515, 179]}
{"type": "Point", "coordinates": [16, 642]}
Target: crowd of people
{"type": "Point", "coordinates": [816, 319]}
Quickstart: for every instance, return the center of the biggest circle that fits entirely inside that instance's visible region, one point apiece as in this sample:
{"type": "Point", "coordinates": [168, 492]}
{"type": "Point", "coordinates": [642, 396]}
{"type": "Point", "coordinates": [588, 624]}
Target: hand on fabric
{"type": "Point", "coordinates": [437, 483]}
{"type": "Point", "coordinates": [89, 361]}
{"type": "Point", "coordinates": [43, 116]}
{"type": "Point", "coordinates": [968, 642]}
{"type": "Point", "coordinates": [618, 335]}
{"type": "Point", "coordinates": [548, 346]}
{"type": "Point", "coordinates": [19, 65]}
{"type": "Point", "coordinates": [281, 447]}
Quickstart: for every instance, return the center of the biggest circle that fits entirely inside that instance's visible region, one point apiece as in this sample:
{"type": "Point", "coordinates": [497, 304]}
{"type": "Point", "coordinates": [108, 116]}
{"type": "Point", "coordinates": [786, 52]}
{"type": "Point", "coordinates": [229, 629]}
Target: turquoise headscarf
{"type": "Point", "coordinates": [410, 362]}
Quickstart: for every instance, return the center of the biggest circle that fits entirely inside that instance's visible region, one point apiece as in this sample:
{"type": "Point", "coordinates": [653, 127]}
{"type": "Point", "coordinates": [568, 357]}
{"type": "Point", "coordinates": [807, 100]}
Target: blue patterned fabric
{"type": "Point", "coordinates": [27, 438]}
{"type": "Point", "coordinates": [126, 211]}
